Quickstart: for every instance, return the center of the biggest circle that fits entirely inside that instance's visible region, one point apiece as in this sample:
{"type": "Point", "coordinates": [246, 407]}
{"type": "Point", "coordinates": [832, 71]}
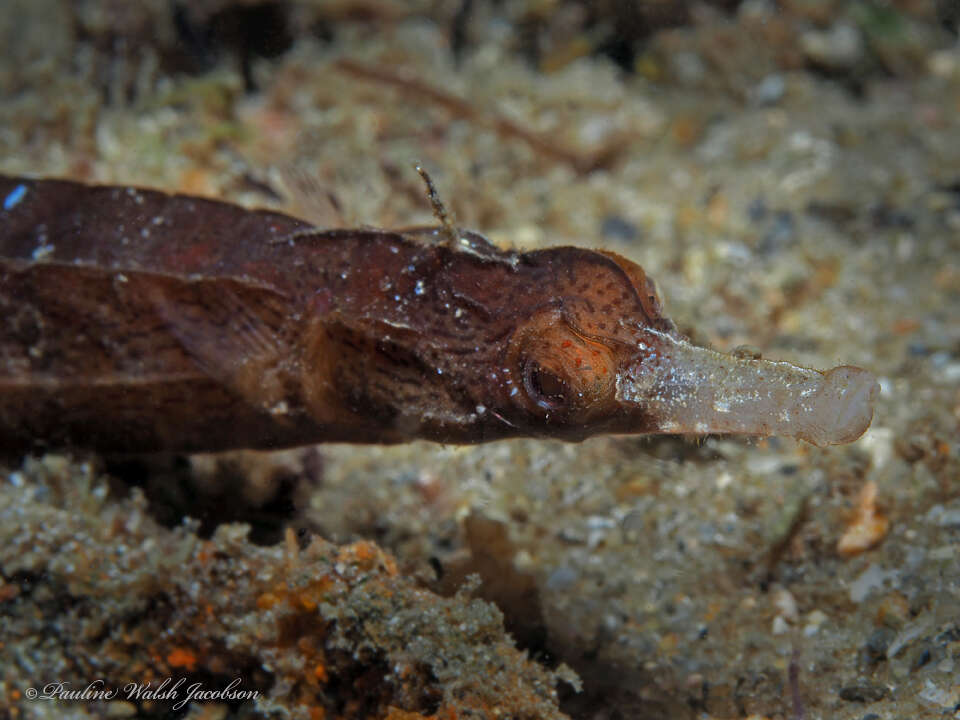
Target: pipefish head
{"type": "Point", "coordinates": [600, 357]}
{"type": "Point", "coordinates": [566, 358]}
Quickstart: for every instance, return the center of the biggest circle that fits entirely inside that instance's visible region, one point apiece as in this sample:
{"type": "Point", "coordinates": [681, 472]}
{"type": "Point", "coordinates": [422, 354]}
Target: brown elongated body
{"type": "Point", "coordinates": [136, 321]}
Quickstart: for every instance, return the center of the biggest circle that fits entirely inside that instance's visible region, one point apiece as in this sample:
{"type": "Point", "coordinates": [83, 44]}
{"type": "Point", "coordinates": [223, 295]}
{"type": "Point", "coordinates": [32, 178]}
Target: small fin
{"type": "Point", "coordinates": [235, 332]}
{"type": "Point", "coordinates": [311, 198]}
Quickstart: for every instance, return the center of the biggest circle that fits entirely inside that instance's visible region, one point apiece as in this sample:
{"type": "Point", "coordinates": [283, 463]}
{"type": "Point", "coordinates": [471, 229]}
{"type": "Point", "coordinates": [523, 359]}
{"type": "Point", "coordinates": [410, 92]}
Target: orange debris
{"type": "Point", "coordinates": [182, 658]}
{"type": "Point", "coordinates": [267, 600]}
{"type": "Point", "coordinates": [320, 672]}
{"type": "Point", "coordinates": [869, 525]}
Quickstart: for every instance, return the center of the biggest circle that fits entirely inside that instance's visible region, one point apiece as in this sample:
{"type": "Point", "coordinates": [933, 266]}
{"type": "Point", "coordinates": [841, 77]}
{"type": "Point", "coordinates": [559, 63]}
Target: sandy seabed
{"type": "Point", "coordinates": [792, 182]}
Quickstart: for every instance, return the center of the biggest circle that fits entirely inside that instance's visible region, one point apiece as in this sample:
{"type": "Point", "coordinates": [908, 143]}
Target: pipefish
{"type": "Point", "coordinates": [133, 320]}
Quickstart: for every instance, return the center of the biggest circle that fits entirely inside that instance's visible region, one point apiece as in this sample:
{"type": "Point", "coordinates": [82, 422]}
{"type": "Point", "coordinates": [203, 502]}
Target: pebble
{"type": "Point", "coordinates": [944, 63]}
{"type": "Point", "coordinates": [688, 67]}
{"type": "Point", "coordinates": [873, 578]}
{"type": "Point", "coordinates": [769, 91]}
{"type": "Point", "coordinates": [947, 518]}
{"type": "Point", "coordinates": [780, 626]}
{"type": "Point", "coordinates": [840, 47]}
{"type": "Point", "coordinates": [906, 636]}
{"type": "Point", "coordinates": [815, 621]}
{"type": "Point", "coordinates": [784, 601]}
{"type": "Point", "coordinates": [950, 373]}
{"type": "Point", "coordinates": [947, 699]}
{"type": "Point", "coordinates": [863, 692]}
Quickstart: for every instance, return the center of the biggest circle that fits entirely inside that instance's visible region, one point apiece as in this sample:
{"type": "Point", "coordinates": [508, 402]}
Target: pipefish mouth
{"type": "Point", "coordinates": [133, 320]}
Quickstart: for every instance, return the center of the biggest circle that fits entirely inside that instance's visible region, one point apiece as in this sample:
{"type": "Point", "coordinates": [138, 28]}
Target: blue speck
{"type": "Point", "coordinates": [15, 196]}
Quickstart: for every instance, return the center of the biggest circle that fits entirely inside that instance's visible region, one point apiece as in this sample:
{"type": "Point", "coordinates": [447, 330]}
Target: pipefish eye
{"type": "Point", "coordinates": [562, 374]}
{"type": "Point", "coordinates": [544, 387]}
